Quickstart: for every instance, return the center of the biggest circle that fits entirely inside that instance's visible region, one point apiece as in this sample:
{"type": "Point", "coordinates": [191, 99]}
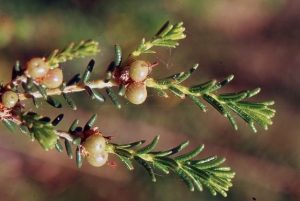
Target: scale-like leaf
{"type": "Point", "coordinates": [216, 104]}
{"type": "Point", "coordinates": [127, 162]}
{"type": "Point", "coordinates": [177, 92]}
{"type": "Point", "coordinates": [189, 155]}
{"type": "Point", "coordinates": [118, 53]}
{"type": "Point", "coordinates": [78, 157]}
{"type": "Point", "coordinates": [68, 148]}
{"type": "Point", "coordinates": [58, 146]}
{"type": "Point", "coordinates": [123, 153]}
{"type": "Point", "coordinates": [149, 147]}
{"type": "Point", "coordinates": [113, 97]}
{"type": "Point", "coordinates": [70, 102]}
{"type": "Point", "coordinates": [147, 167]}
{"type": "Point", "coordinates": [52, 101]}
{"type": "Point", "coordinates": [9, 124]}
{"type": "Point", "coordinates": [90, 122]}
{"type": "Point", "coordinates": [210, 164]}
{"type": "Point", "coordinates": [202, 88]}
{"type": "Point", "coordinates": [74, 80]}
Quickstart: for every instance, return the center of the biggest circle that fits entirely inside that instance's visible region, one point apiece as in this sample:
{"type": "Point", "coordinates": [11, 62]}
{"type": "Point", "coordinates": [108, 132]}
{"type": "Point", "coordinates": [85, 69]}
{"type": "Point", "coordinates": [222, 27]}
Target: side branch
{"type": "Point", "coordinates": [96, 84]}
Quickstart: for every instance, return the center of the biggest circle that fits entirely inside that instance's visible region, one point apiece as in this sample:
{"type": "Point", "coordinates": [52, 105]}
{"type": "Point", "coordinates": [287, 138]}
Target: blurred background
{"type": "Point", "coordinates": [257, 41]}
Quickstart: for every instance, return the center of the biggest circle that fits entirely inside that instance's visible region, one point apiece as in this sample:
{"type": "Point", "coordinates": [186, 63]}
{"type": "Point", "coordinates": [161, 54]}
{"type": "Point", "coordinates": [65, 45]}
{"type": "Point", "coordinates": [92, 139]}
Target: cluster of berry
{"type": "Point", "coordinates": [38, 70]}
{"type": "Point", "coordinates": [134, 76]}
{"type": "Point", "coordinates": [94, 150]}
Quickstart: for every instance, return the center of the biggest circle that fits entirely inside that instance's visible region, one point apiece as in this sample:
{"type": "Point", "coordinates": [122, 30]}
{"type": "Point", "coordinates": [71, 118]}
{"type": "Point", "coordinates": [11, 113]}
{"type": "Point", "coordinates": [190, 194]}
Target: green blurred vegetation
{"type": "Point", "coordinates": [257, 41]}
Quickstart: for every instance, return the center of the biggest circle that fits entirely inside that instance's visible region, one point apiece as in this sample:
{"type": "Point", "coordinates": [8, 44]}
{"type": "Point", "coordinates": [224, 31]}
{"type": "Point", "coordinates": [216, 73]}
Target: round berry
{"type": "Point", "coordinates": [53, 78]}
{"type": "Point", "coordinates": [138, 70]}
{"type": "Point", "coordinates": [136, 92]}
{"type": "Point", "coordinates": [9, 99]}
{"type": "Point", "coordinates": [97, 160]}
{"type": "Point", "coordinates": [36, 68]}
{"type": "Point", "coordinates": [95, 144]}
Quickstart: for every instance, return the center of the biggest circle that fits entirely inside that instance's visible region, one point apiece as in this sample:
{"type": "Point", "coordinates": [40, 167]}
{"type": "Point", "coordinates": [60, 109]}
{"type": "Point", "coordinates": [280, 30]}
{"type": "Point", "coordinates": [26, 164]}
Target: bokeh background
{"type": "Point", "coordinates": [257, 41]}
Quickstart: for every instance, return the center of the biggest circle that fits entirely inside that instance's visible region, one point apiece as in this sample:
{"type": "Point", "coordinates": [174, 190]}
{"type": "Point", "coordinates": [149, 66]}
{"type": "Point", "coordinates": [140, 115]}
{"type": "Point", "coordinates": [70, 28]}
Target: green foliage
{"type": "Point", "coordinates": [9, 124]}
{"type": "Point", "coordinates": [165, 37]}
{"type": "Point", "coordinates": [250, 112]}
{"type": "Point", "coordinates": [194, 173]}
{"type": "Point", "coordinates": [83, 48]}
{"type": "Point", "coordinates": [40, 128]}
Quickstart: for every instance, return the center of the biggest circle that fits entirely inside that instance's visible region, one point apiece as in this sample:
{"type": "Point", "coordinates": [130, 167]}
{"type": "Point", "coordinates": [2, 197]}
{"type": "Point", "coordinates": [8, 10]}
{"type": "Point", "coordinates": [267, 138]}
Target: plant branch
{"type": "Point", "coordinates": [96, 84]}
{"type": "Point", "coordinates": [249, 111]}
{"type": "Point", "coordinates": [194, 173]}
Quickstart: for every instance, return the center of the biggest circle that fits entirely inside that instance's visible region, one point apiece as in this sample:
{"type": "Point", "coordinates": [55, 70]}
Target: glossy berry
{"type": "Point", "coordinates": [136, 92]}
{"type": "Point", "coordinates": [139, 70]}
{"type": "Point", "coordinates": [9, 99]}
{"type": "Point", "coordinates": [95, 144]}
{"type": "Point", "coordinates": [36, 68]}
{"type": "Point", "coordinates": [53, 78]}
{"type": "Point", "coordinates": [97, 160]}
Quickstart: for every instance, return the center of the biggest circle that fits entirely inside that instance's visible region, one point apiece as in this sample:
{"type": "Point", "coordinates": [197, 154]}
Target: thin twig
{"type": "Point", "coordinates": [98, 84]}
